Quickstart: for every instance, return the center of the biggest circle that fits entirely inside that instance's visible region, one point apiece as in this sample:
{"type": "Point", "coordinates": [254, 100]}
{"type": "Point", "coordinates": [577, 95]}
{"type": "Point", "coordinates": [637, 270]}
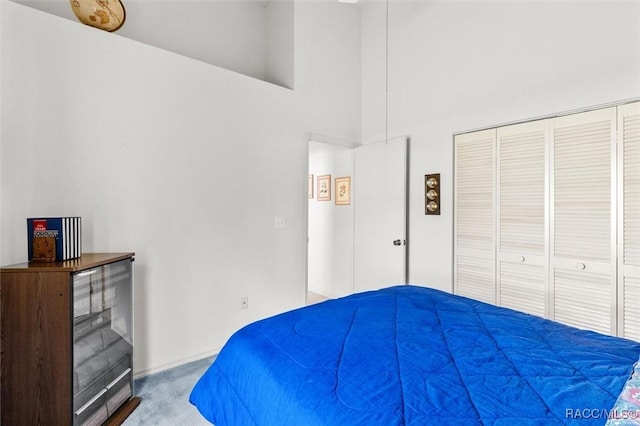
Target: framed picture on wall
{"type": "Point", "coordinates": [343, 191]}
{"type": "Point", "coordinates": [310, 186]}
{"type": "Point", "coordinates": [324, 188]}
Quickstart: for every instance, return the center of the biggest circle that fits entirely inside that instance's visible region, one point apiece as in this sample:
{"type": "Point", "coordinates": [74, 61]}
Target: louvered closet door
{"type": "Point", "coordinates": [629, 221]}
{"type": "Point", "coordinates": [583, 220]}
{"type": "Point", "coordinates": [522, 274]}
{"type": "Point", "coordinates": [474, 227]}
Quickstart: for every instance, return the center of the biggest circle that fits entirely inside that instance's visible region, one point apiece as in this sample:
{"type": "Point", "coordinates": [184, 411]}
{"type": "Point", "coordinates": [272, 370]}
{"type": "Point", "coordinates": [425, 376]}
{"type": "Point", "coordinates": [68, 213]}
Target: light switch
{"type": "Point", "coordinates": [280, 222]}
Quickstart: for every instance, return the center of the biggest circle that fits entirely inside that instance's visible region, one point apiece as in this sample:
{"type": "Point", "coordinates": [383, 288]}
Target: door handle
{"type": "Point", "coordinates": [397, 242]}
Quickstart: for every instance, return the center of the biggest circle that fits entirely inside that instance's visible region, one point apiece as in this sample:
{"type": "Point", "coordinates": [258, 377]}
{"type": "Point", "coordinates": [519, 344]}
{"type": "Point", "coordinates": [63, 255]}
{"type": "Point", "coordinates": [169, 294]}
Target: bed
{"type": "Point", "coordinates": [410, 355]}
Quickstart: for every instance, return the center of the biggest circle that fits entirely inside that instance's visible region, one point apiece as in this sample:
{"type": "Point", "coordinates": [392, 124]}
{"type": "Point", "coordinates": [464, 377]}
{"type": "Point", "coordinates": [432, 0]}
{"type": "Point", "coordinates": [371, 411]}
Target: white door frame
{"type": "Point", "coordinates": [314, 137]}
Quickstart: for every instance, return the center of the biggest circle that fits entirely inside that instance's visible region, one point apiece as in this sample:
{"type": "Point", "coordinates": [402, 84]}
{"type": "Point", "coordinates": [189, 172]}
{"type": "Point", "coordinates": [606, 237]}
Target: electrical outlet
{"type": "Point", "coordinates": [244, 302]}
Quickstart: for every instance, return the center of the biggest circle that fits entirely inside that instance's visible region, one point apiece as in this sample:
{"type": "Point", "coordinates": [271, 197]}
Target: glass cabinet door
{"type": "Point", "coordinates": [103, 341]}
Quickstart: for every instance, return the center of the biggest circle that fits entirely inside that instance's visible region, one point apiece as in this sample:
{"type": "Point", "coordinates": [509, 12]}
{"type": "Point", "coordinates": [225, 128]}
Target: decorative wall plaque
{"type": "Point", "coordinates": [106, 15]}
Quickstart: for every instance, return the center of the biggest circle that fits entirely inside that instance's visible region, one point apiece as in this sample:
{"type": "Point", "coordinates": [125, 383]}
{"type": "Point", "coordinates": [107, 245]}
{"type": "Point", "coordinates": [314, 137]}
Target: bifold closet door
{"type": "Point", "coordinates": [474, 223]}
{"type": "Point", "coordinates": [583, 252]}
{"type": "Point", "coordinates": [629, 220]}
{"type": "Point", "coordinates": [522, 273]}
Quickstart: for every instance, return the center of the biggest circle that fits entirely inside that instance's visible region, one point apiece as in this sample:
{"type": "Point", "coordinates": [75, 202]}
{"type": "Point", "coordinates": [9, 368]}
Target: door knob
{"type": "Point", "coordinates": [397, 242]}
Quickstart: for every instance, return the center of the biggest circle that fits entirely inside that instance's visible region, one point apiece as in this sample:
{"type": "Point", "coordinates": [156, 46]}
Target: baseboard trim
{"type": "Point", "coordinates": [173, 364]}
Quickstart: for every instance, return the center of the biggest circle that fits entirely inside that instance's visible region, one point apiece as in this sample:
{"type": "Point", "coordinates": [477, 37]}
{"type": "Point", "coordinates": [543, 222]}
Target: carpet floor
{"type": "Point", "coordinates": [165, 397]}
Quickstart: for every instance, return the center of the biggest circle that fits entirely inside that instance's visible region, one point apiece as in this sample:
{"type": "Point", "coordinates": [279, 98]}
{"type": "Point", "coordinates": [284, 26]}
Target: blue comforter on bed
{"type": "Point", "coordinates": [413, 356]}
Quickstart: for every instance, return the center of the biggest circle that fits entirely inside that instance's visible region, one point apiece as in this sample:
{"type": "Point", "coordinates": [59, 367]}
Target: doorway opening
{"type": "Point", "coordinates": [360, 244]}
{"type": "Point", "coordinates": [330, 254]}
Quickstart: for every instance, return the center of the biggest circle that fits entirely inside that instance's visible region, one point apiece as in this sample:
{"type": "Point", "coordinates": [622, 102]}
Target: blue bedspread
{"type": "Point", "coordinates": [413, 356]}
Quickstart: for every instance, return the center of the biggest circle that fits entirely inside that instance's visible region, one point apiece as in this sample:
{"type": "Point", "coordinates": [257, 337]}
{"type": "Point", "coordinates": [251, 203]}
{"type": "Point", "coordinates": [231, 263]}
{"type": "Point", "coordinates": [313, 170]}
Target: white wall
{"type": "Point", "coordinates": [228, 34]}
{"type": "Point", "coordinates": [456, 66]}
{"type": "Point", "coordinates": [252, 37]}
{"type": "Point", "coordinates": [280, 44]}
{"type": "Point", "coordinates": [327, 67]}
{"type": "Point", "coordinates": [182, 162]}
{"type": "Point", "coordinates": [330, 266]}
{"type": "Point", "coordinates": [2, 102]}
{"type": "Point", "coordinates": [373, 68]}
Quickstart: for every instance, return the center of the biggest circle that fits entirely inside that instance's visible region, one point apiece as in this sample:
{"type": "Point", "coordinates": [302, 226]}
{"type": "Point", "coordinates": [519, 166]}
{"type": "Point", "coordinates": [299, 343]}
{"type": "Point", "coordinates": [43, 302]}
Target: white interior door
{"type": "Point", "coordinates": [380, 200]}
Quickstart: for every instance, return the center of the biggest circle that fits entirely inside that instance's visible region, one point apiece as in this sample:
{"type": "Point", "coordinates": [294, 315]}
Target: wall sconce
{"type": "Point", "coordinates": [432, 194]}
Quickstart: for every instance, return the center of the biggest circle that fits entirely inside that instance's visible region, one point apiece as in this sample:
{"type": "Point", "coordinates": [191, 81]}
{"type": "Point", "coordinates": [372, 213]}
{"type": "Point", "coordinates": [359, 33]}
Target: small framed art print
{"type": "Point", "coordinates": [343, 191]}
{"type": "Point", "coordinates": [324, 188]}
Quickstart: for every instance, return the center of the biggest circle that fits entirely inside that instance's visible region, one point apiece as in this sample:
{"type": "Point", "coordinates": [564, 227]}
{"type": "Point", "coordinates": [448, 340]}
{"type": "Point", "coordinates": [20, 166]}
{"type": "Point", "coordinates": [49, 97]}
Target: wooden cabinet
{"type": "Point", "coordinates": [66, 341]}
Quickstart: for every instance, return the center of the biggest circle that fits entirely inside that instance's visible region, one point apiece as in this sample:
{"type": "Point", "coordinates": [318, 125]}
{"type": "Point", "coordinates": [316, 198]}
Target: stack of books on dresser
{"type": "Point", "coordinates": [54, 239]}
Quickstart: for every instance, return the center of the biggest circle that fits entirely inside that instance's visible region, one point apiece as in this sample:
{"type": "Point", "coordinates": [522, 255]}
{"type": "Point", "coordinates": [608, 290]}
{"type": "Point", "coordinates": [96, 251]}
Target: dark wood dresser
{"type": "Point", "coordinates": [66, 341]}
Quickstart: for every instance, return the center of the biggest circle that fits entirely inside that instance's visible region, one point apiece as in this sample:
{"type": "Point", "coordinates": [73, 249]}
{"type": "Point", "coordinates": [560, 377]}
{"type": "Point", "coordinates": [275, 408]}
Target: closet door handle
{"type": "Point", "coordinates": [582, 266]}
